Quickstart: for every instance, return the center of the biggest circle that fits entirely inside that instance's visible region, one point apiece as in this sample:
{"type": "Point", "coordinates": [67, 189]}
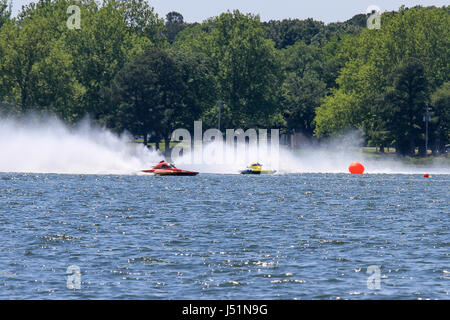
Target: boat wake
{"type": "Point", "coordinates": [332, 157]}
{"type": "Point", "coordinates": [38, 145]}
{"type": "Point", "coordinates": [47, 145]}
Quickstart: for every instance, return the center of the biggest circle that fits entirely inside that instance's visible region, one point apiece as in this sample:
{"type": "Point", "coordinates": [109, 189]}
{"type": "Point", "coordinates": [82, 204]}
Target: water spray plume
{"type": "Point", "coordinates": [38, 145]}
{"type": "Point", "coordinates": [47, 145]}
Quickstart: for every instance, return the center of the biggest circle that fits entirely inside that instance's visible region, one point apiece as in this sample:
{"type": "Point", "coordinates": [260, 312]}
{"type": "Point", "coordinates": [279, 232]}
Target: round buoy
{"type": "Point", "coordinates": [356, 168]}
{"type": "Point", "coordinates": [426, 175]}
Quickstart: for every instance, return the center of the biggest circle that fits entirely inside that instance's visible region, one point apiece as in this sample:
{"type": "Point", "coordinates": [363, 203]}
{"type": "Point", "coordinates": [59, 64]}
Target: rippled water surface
{"type": "Point", "coordinates": [310, 236]}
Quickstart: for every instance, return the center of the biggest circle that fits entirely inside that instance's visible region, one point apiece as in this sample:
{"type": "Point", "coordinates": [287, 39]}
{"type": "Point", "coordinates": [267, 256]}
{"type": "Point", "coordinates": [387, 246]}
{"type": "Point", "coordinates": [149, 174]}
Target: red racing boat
{"type": "Point", "coordinates": [166, 169]}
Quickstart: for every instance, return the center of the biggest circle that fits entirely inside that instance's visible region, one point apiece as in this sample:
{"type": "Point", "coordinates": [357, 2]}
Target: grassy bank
{"type": "Point", "coordinates": [373, 153]}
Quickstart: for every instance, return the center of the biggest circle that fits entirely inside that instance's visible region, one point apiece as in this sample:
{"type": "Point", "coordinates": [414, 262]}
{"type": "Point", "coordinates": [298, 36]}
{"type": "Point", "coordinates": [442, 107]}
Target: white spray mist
{"type": "Point", "coordinates": [46, 145]}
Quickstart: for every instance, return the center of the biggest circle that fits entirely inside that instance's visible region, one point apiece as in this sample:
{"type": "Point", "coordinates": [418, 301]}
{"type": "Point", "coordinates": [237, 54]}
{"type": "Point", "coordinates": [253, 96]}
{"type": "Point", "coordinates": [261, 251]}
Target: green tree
{"type": "Point", "coordinates": [174, 25]}
{"type": "Point", "coordinates": [50, 67]}
{"type": "Point", "coordinates": [440, 102]}
{"type": "Point", "coordinates": [145, 92]}
{"type": "Point", "coordinates": [199, 92]}
{"type": "Point", "coordinates": [368, 61]}
{"type": "Point", "coordinates": [405, 105]}
{"type": "Point", "coordinates": [36, 71]}
{"type": "Point", "coordinates": [247, 68]}
{"type": "Point", "coordinates": [5, 12]}
{"type": "Point", "coordinates": [142, 20]}
{"type": "Point", "coordinates": [158, 92]}
{"type": "Point", "coordinates": [110, 36]}
{"type": "Point", "coordinates": [338, 30]}
{"type": "Point", "coordinates": [303, 86]}
{"type": "Point", "coordinates": [288, 31]}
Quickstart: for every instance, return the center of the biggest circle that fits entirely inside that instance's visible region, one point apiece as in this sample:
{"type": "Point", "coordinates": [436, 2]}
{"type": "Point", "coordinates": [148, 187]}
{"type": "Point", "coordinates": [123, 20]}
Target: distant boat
{"type": "Point", "coordinates": [256, 168]}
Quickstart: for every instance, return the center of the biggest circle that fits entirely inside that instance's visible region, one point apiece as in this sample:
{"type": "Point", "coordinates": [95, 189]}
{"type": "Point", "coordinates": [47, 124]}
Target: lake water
{"type": "Point", "coordinates": [302, 236]}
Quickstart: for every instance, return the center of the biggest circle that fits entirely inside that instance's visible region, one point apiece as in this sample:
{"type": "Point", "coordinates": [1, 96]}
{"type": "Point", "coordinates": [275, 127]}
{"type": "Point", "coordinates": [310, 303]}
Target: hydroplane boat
{"type": "Point", "coordinates": [256, 168]}
{"type": "Point", "coordinates": [167, 169]}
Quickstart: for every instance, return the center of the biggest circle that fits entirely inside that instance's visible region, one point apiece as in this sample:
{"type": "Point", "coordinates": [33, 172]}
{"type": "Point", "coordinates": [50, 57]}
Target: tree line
{"type": "Point", "coordinates": [129, 69]}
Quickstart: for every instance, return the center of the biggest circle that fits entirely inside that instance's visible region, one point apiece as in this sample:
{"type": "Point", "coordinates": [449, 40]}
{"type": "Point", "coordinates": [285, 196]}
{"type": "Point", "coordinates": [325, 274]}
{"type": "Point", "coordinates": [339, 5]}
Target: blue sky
{"type": "Point", "coordinates": [324, 10]}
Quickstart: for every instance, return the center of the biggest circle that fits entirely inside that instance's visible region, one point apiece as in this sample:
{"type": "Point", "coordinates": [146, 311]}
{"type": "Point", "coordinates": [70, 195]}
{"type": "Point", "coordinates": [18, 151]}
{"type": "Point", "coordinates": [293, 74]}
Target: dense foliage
{"type": "Point", "coordinates": [130, 70]}
{"type": "Point", "coordinates": [385, 83]}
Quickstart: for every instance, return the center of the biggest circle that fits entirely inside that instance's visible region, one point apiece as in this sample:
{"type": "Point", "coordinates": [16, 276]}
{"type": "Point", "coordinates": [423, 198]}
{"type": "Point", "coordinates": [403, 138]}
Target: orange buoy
{"type": "Point", "coordinates": [426, 175]}
{"type": "Point", "coordinates": [356, 168]}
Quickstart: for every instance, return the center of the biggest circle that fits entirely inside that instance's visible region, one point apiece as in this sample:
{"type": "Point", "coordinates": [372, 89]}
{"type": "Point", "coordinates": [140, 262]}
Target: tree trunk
{"type": "Point", "coordinates": [145, 141]}
{"type": "Point", "coordinates": [167, 147]}
{"type": "Point", "coordinates": [422, 151]}
{"type": "Point", "coordinates": [439, 147]}
{"type": "Point", "coordinates": [401, 148]}
{"type": "Point", "coordinates": [412, 148]}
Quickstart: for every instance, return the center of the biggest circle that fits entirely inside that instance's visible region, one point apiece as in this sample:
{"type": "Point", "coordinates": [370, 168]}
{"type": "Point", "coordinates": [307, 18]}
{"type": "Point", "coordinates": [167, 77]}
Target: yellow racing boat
{"type": "Point", "coordinates": [256, 168]}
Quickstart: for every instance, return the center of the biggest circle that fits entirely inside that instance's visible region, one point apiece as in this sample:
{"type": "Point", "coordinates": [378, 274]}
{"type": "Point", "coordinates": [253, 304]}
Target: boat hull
{"type": "Point", "coordinates": [258, 171]}
{"type": "Point", "coordinates": [171, 172]}
{"type": "Point", "coordinates": [179, 173]}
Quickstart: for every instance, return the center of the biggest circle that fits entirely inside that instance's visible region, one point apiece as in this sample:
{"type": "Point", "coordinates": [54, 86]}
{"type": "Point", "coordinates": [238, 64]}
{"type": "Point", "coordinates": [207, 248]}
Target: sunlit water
{"type": "Point", "coordinates": [303, 236]}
